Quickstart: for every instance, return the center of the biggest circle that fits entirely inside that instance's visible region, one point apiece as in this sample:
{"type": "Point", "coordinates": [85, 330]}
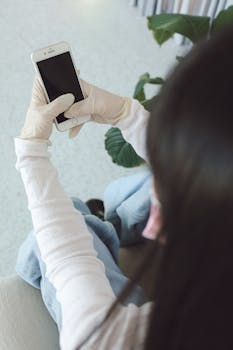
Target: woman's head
{"type": "Point", "coordinates": [190, 147]}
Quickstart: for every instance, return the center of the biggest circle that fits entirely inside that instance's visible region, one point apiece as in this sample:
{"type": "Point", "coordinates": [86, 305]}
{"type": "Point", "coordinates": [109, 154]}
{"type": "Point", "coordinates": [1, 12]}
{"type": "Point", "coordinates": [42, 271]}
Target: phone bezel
{"type": "Point", "coordinates": [52, 51]}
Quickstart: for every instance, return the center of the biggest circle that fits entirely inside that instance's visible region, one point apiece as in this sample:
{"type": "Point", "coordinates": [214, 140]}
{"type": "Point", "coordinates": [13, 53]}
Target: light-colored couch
{"type": "Point", "coordinates": [24, 320]}
{"type": "Point", "coordinates": [25, 323]}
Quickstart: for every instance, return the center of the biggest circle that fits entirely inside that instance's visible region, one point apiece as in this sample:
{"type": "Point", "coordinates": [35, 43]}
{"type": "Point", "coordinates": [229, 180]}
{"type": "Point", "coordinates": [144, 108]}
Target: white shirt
{"type": "Point", "coordinates": [67, 250]}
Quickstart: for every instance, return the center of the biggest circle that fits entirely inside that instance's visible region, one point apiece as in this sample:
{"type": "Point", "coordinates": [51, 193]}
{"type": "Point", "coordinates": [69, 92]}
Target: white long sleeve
{"type": "Point", "coordinates": [133, 128]}
{"type": "Point", "coordinates": [71, 261]}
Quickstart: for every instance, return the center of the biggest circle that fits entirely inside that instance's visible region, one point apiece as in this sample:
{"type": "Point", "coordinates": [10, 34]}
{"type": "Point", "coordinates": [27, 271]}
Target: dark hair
{"type": "Point", "coordinates": [190, 148]}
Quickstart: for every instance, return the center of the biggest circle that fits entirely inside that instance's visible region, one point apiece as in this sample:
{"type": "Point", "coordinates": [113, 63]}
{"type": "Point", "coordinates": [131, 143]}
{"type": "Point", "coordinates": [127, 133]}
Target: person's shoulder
{"type": "Point", "coordinates": [125, 329]}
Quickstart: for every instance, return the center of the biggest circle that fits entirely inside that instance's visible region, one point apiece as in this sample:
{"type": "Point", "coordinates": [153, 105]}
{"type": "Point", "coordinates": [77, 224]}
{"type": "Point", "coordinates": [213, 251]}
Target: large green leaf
{"type": "Point", "coordinates": [121, 152]}
{"type": "Point", "coordinates": [139, 92]}
{"type": "Point", "coordinates": [165, 25]}
{"type": "Point", "coordinates": [224, 18]}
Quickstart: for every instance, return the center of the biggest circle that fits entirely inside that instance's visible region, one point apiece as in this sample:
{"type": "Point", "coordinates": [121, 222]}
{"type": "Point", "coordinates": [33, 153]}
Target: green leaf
{"type": "Point", "coordinates": [166, 24]}
{"type": "Point", "coordinates": [179, 58]}
{"type": "Point", "coordinates": [161, 35]}
{"type": "Point", "coordinates": [157, 80]}
{"type": "Point", "coordinates": [139, 92]}
{"type": "Point", "coordinates": [148, 104]}
{"type": "Point", "coordinates": [225, 17]}
{"type": "Point", "coordinates": [121, 152]}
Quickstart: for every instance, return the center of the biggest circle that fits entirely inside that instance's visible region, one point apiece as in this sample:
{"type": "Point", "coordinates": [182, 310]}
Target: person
{"type": "Point", "coordinates": [189, 143]}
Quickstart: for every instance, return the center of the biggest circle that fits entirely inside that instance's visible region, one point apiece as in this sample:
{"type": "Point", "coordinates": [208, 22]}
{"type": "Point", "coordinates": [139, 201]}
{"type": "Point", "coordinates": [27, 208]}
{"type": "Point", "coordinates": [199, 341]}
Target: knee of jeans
{"type": "Point", "coordinates": [79, 205]}
{"type": "Point", "coordinates": [28, 261]}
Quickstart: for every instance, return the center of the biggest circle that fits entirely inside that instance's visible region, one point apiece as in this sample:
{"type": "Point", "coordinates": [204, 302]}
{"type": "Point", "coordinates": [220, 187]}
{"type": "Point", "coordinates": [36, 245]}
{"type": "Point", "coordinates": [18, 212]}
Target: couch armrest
{"type": "Point", "coordinates": [25, 321]}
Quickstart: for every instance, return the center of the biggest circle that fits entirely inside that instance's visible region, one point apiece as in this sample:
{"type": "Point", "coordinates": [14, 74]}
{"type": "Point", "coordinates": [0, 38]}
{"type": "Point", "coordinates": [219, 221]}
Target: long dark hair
{"type": "Point", "coordinates": [190, 147]}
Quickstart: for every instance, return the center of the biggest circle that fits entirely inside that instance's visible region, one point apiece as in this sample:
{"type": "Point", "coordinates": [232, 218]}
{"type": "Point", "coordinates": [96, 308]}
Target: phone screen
{"type": "Point", "coordinates": [59, 77]}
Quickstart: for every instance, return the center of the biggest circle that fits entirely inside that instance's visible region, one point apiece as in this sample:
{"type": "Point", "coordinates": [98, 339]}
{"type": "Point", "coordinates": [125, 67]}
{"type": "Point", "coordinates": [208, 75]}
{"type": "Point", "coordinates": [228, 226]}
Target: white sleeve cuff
{"type": "Point", "coordinates": [134, 128]}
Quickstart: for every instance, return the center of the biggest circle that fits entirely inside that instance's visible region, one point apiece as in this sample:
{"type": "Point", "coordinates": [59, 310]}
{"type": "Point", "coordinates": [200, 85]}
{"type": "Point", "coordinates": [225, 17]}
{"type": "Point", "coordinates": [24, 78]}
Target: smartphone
{"type": "Point", "coordinates": [55, 68]}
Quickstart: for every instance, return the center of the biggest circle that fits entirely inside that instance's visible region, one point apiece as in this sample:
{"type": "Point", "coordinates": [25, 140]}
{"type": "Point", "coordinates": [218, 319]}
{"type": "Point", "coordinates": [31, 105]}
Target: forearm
{"type": "Point", "coordinates": [134, 127]}
{"type": "Point", "coordinates": [65, 244]}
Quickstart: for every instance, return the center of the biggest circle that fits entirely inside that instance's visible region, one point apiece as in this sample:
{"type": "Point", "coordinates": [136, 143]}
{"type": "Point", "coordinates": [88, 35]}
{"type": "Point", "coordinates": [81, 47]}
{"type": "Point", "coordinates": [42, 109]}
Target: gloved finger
{"type": "Point", "coordinates": [38, 95]}
{"type": "Point", "coordinates": [83, 87]}
{"type": "Point", "coordinates": [79, 109]}
{"type": "Point", "coordinates": [86, 87]}
{"type": "Point", "coordinates": [74, 131]}
{"type": "Point", "coordinates": [59, 105]}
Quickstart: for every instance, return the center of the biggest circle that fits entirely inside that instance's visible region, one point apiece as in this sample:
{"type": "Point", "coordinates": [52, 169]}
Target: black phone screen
{"type": "Point", "coordinates": [59, 77]}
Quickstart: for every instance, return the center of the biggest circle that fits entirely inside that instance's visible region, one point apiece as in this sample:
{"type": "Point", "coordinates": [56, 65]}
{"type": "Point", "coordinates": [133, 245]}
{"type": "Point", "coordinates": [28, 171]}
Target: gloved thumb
{"type": "Point", "coordinates": [80, 109]}
{"type": "Point", "coordinates": [59, 105]}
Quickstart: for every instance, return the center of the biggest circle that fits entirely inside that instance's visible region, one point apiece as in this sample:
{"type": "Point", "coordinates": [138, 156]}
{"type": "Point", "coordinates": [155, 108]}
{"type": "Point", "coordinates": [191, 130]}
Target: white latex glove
{"type": "Point", "coordinates": [39, 119]}
{"type": "Point", "coordinates": [103, 106]}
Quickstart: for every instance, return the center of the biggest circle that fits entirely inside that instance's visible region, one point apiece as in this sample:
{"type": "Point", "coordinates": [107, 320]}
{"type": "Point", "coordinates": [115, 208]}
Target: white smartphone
{"type": "Point", "coordinates": [55, 68]}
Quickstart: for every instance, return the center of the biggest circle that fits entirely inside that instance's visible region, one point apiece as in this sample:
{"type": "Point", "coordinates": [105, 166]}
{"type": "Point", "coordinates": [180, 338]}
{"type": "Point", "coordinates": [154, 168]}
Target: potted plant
{"type": "Point", "coordinates": [163, 27]}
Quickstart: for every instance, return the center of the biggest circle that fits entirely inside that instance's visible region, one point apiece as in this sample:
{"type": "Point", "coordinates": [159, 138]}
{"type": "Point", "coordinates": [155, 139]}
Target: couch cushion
{"type": "Point", "coordinates": [25, 321]}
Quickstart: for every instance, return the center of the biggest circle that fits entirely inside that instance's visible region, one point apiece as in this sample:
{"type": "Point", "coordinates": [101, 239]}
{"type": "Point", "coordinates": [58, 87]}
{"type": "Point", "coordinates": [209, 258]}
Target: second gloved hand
{"type": "Point", "coordinates": [103, 106]}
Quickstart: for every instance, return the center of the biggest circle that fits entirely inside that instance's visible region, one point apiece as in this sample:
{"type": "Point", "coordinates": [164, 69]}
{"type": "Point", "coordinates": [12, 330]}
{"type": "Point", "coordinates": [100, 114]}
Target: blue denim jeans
{"type": "Point", "coordinates": [31, 268]}
{"type": "Point", "coordinates": [127, 200]}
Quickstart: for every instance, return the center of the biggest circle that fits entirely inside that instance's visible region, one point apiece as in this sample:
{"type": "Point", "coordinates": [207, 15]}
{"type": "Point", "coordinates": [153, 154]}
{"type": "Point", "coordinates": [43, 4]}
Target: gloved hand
{"type": "Point", "coordinates": [39, 119]}
{"type": "Point", "coordinates": [103, 106]}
